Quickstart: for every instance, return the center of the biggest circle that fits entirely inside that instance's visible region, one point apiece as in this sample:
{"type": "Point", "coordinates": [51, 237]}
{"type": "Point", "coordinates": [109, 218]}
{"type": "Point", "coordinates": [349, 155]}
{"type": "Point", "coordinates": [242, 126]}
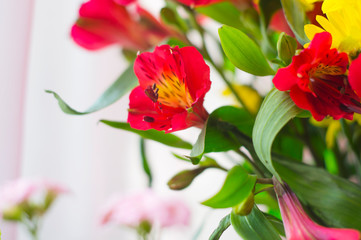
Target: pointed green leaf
{"type": "Point", "coordinates": [276, 110]}
{"type": "Point", "coordinates": [218, 134]}
{"type": "Point", "coordinates": [223, 225]}
{"type": "Point", "coordinates": [334, 200]}
{"type": "Point", "coordinates": [126, 82]}
{"type": "Point", "coordinates": [254, 226]}
{"type": "Point", "coordinates": [296, 18]}
{"type": "Point", "coordinates": [243, 52]}
{"type": "Point", "coordinates": [158, 136]}
{"type": "Point", "coordinates": [223, 12]}
{"type": "Point", "coordinates": [236, 188]}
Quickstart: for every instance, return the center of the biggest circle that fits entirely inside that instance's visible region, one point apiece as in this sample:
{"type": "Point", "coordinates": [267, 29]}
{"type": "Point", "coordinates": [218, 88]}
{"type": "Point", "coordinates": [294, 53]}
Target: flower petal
{"type": "Point", "coordinates": [197, 72]}
{"type": "Point", "coordinates": [354, 76]}
{"type": "Point", "coordinates": [143, 114]}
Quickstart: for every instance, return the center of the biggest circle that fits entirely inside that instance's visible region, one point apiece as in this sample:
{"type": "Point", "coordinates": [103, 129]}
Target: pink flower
{"type": "Point", "coordinates": [16, 193]}
{"type": "Point", "coordinates": [146, 206]}
{"type": "Point", "coordinates": [173, 83]}
{"type": "Point", "coordinates": [105, 22]}
{"type": "Point", "coordinates": [299, 226]}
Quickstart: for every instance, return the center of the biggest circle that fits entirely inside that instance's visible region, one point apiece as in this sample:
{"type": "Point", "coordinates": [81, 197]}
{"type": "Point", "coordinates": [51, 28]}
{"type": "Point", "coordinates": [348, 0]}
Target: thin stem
{"type": "Point", "coordinates": [145, 164]}
{"type": "Point", "coordinates": [32, 226]}
{"type": "Point", "coordinates": [249, 160]}
{"type": "Point", "coordinates": [265, 180]}
{"type": "Point", "coordinates": [207, 56]}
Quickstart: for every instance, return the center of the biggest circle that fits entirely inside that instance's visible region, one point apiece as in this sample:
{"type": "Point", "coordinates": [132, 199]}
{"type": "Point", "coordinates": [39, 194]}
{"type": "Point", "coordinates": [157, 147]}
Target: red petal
{"type": "Point", "coordinates": [321, 43]}
{"type": "Point", "coordinates": [141, 106]}
{"type": "Point", "coordinates": [89, 40]}
{"type": "Point", "coordinates": [285, 78]}
{"type": "Point", "coordinates": [197, 72]}
{"type": "Point", "coordinates": [354, 76]}
{"type": "Point", "coordinates": [306, 101]}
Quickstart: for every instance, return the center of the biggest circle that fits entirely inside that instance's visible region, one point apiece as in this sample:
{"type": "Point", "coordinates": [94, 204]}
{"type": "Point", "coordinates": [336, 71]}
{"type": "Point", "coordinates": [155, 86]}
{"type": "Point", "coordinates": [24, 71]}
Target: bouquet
{"type": "Point", "coordinates": [297, 170]}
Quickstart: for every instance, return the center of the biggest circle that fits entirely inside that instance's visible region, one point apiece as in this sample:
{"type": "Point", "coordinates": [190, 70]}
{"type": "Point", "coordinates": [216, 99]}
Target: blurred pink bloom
{"type": "Point", "coordinates": [19, 191]}
{"type": "Point", "coordinates": [299, 226]}
{"type": "Point", "coordinates": [105, 22]}
{"type": "Point", "coordinates": [124, 2]}
{"type": "Point", "coordinates": [145, 206]}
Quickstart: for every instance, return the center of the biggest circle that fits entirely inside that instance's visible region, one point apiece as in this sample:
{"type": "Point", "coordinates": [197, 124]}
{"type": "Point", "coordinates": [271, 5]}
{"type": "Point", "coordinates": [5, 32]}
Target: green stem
{"type": "Point", "coordinates": [32, 226]}
{"type": "Point", "coordinates": [145, 164]}
{"type": "Point", "coordinates": [207, 56]}
{"type": "Point", "coordinates": [249, 160]}
{"type": "Point", "coordinates": [340, 160]}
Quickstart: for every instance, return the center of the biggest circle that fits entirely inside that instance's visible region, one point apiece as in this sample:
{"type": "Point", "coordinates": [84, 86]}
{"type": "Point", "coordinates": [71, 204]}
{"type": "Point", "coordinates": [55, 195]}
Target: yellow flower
{"type": "Point", "coordinates": [249, 96]}
{"type": "Point", "coordinates": [343, 22]}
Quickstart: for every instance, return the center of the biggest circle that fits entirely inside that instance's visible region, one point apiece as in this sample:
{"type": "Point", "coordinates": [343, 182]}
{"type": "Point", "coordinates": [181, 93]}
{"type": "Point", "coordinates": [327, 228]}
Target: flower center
{"type": "Point", "coordinates": [170, 91]}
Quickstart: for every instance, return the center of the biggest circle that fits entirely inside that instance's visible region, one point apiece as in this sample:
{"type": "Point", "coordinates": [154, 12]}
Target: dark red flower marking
{"type": "Point", "coordinates": [173, 83]}
{"type": "Point", "coordinates": [317, 81]}
{"type": "Point", "coordinates": [105, 22]}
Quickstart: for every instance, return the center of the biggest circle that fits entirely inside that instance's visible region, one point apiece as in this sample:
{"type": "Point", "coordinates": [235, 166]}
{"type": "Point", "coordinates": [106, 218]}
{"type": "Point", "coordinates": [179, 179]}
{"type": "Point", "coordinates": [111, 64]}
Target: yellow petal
{"type": "Point", "coordinates": [311, 30]}
{"type": "Point", "coordinates": [249, 96]}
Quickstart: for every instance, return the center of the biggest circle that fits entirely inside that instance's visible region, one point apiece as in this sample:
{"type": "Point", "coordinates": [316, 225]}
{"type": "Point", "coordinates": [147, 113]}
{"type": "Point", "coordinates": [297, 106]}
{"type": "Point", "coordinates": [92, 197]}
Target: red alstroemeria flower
{"type": "Point", "coordinates": [317, 81]}
{"type": "Point", "coordinates": [299, 226]}
{"type": "Point", "coordinates": [173, 83]}
{"type": "Point", "coordinates": [105, 22]}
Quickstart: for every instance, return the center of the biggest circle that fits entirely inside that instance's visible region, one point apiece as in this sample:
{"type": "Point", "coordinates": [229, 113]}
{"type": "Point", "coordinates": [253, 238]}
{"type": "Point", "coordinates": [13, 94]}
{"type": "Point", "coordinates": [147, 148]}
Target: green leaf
{"type": "Point", "coordinates": [223, 225]}
{"type": "Point", "coordinates": [276, 110]}
{"type": "Point", "coordinates": [158, 136]}
{"type": "Point", "coordinates": [289, 146]}
{"type": "Point", "coordinates": [236, 188]}
{"type": "Point", "coordinates": [254, 226]}
{"type": "Point", "coordinates": [243, 52]}
{"type": "Point", "coordinates": [223, 12]}
{"type": "Point", "coordinates": [277, 223]}
{"type": "Point", "coordinates": [334, 200]}
{"type": "Point", "coordinates": [296, 18]}
{"type": "Point", "coordinates": [119, 88]}
{"type": "Point", "coordinates": [218, 134]}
